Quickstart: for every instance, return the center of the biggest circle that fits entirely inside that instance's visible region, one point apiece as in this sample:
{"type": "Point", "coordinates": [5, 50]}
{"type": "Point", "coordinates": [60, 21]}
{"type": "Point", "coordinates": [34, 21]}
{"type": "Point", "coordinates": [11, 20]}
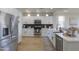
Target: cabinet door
{"type": "Point", "coordinates": [60, 40]}
{"type": "Point", "coordinates": [59, 43]}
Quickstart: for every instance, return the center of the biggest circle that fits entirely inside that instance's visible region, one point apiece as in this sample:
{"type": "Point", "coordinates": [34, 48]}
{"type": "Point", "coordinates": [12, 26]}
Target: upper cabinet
{"type": "Point", "coordinates": [44, 19]}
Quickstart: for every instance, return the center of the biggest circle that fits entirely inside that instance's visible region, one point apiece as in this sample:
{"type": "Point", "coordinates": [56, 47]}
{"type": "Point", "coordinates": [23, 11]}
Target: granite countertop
{"type": "Point", "coordinates": [67, 38]}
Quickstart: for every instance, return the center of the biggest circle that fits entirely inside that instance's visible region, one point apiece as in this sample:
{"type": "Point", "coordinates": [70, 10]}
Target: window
{"type": "Point", "coordinates": [61, 20]}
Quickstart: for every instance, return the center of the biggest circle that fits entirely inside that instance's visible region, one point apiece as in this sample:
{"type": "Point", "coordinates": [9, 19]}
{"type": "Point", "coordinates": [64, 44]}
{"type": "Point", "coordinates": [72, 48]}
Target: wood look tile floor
{"type": "Point", "coordinates": [35, 44]}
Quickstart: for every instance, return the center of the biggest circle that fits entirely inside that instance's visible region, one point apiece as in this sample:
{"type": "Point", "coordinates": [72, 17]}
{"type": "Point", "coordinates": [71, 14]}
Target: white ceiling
{"type": "Point", "coordinates": [48, 10]}
{"type": "Point", "coordinates": [35, 10]}
{"type": "Point", "coordinates": [67, 10]}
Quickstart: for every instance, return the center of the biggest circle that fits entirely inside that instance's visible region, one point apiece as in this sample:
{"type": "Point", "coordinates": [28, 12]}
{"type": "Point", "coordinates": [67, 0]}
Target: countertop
{"type": "Point", "coordinates": [69, 39]}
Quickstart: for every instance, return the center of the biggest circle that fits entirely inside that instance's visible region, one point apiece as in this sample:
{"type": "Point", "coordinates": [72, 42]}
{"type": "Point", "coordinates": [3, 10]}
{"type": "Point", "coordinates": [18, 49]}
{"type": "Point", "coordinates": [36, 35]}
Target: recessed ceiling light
{"type": "Point", "coordinates": [47, 15]}
{"type": "Point", "coordinates": [28, 14]}
{"type": "Point", "coordinates": [37, 14]}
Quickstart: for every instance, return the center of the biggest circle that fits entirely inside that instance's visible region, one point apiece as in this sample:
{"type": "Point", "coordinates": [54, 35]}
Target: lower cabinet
{"type": "Point", "coordinates": [63, 44]}
{"type": "Point", "coordinates": [44, 32]}
{"type": "Point", "coordinates": [59, 43]}
{"type": "Point", "coordinates": [28, 32]}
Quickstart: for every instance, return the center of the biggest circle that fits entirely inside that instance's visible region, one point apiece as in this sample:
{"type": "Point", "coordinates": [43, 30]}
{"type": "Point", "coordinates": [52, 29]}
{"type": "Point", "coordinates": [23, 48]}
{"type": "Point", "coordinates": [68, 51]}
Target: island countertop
{"type": "Point", "coordinates": [67, 38]}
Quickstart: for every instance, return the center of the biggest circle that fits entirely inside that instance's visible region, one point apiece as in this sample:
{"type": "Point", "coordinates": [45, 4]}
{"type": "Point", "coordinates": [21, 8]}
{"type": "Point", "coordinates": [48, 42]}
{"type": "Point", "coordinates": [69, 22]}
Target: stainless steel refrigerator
{"type": "Point", "coordinates": [8, 32]}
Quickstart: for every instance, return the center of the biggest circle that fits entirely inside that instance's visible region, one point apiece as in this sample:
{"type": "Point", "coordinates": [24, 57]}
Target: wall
{"type": "Point", "coordinates": [15, 12]}
{"type": "Point", "coordinates": [74, 21]}
{"type": "Point", "coordinates": [70, 18]}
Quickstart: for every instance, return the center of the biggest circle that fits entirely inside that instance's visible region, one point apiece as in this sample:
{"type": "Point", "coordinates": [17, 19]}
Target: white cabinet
{"type": "Point", "coordinates": [44, 31]}
{"type": "Point", "coordinates": [28, 32]}
{"type": "Point", "coordinates": [24, 32]}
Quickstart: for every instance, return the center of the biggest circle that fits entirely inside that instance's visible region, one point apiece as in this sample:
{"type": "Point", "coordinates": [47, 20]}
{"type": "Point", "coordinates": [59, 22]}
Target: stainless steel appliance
{"type": "Point", "coordinates": [37, 27]}
{"type": "Point", "coordinates": [8, 32]}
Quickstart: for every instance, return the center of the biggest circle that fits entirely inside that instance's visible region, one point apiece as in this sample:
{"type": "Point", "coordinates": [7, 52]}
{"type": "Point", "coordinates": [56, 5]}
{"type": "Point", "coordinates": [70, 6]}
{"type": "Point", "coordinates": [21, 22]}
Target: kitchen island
{"type": "Point", "coordinates": [66, 43]}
